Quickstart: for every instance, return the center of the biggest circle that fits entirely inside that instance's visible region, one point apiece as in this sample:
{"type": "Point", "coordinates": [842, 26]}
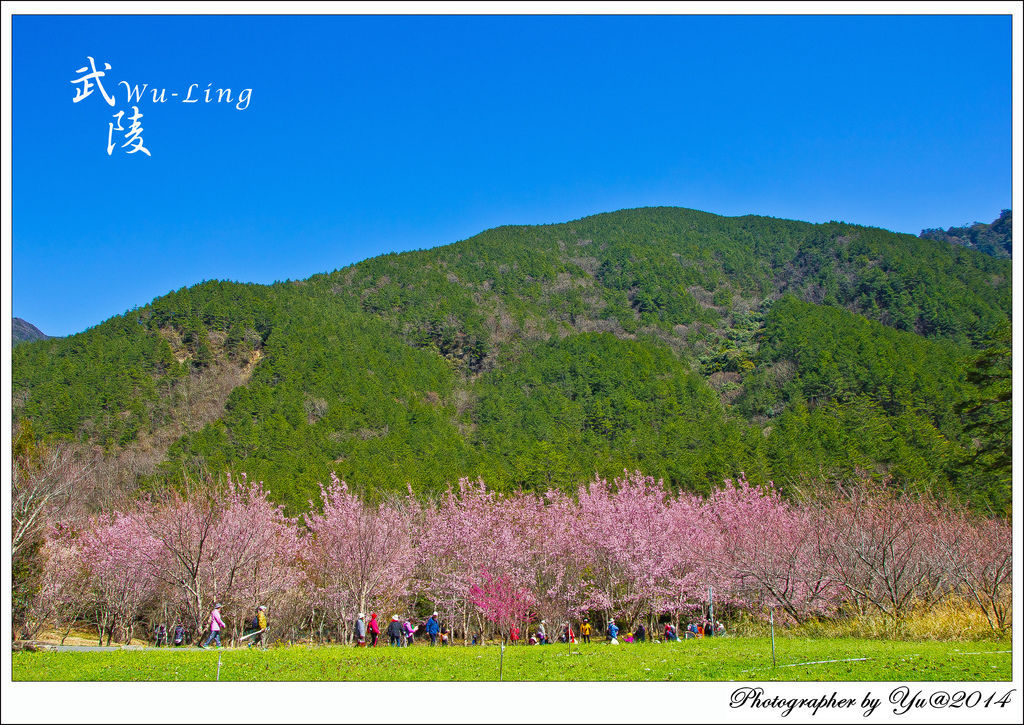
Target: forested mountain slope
{"type": "Point", "coordinates": [684, 343]}
{"type": "Point", "coordinates": [995, 239]}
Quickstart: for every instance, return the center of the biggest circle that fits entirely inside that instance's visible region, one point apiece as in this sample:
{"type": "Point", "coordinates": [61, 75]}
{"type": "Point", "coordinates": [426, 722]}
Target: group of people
{"type": "Point", "coordinates": [708, 628]}
{"type": "Point", "coordinates": [254, 633]}
{"type": "Point", "coordinates": [400, 634]}
{"type": "Point", "coordinates": [178, 638]}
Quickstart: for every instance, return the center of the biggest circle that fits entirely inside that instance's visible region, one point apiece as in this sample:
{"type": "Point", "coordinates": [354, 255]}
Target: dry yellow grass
{"type": "Point", "coordinates": [950, 620]}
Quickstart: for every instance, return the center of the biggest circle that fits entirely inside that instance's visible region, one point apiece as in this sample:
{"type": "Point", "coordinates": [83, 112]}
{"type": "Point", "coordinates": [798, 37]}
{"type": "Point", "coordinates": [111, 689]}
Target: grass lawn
{"type": "Point", "coordinates": [705, 659]}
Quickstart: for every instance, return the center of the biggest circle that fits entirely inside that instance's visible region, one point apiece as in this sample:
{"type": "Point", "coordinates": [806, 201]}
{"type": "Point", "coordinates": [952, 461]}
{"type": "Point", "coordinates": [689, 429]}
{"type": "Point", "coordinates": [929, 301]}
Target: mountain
{"type": "Point", "coordinates": [995, 239]}
{"type": "Point", "coordinates": [690, 345]}
{"type": "Point", "coordinates": [22, 331]}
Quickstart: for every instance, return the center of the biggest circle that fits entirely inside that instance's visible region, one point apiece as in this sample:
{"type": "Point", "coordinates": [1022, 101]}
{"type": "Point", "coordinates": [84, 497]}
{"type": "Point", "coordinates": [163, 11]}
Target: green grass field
{"type": "Point", "coordinates": [708, 659]}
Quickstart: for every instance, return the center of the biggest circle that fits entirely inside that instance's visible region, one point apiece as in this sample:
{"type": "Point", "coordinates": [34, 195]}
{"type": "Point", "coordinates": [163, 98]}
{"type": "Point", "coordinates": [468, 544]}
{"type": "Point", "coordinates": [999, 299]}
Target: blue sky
{"type": "Point", "coordinates": [365, 135]}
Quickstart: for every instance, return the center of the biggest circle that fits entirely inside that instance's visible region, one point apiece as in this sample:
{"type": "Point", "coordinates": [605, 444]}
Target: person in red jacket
{"type": "Point", "coordinates": [374, 629]}
{"type": "Point", "coordinates": [513, 635]}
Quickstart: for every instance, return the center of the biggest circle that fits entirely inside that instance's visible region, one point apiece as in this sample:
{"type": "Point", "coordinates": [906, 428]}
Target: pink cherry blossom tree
{"type": "Point", "coordinates": [771, 546]}
{"type": "Point", "coordinates": [118, 553]}
{"type": "Point", "coordinates": [501, 602]}
{"type": "Point", "coordinates": [356, 554]}
{"type": "Point", "coordinates": [254, 551]}
{"type": "Point", "coordinates": [184, 523]}
{"type": "Point", "coordinates": [465, 533]}
{"type": "Point", "coordinates": [629, 548]}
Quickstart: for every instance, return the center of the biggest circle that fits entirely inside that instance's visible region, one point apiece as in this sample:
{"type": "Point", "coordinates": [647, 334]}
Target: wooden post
{"type": "Point", "coordinates": [771, 621]}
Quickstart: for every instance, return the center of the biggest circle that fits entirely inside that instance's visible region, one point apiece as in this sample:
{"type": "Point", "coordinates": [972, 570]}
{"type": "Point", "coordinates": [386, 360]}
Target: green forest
{"type": "Point", "coordinates": [995, 239]}
{"type": "Point", "coordinates": [689, 345]}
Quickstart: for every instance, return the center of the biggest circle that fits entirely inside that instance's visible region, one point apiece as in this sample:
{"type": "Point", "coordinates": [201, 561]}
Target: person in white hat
{"type": "Point", "coordinates": [396, 637]}
{"type": "Point", "coordinates": [258, 628]}
{"type": "Point", "coordinates": [433, 628]}
{"type": "Point", "coordinates": [360, 630]}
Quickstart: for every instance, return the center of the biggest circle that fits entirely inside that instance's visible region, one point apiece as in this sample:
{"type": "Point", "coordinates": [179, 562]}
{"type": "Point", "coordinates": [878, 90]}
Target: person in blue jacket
{"type": "Point", "coordinates": [613, 632]}
{"type": "Point", "coordinates": [433, 629]}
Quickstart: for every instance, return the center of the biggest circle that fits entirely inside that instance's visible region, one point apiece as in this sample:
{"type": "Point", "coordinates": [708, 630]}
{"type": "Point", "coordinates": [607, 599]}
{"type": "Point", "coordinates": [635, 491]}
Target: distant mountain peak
{"type": "Point", "coordinates": [22, 331]}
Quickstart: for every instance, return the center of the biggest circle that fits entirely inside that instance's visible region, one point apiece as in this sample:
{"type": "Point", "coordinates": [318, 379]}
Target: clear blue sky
{"type": "Point", "coordinates": [365, 135]}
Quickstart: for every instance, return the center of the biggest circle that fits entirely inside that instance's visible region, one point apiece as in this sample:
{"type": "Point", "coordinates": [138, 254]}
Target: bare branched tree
{"type": "Point", "coordinates": [42, 480]}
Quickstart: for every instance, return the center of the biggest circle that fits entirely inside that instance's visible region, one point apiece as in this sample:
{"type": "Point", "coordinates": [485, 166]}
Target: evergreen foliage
{"type": "Point", "coordinates": [684, 343]}
{"type": "Point", "coordinates": [995, 239]}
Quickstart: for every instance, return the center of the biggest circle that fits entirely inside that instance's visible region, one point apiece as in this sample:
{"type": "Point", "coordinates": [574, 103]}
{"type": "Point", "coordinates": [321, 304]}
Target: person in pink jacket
{"type": "Point", "coordinates": [216, 625]}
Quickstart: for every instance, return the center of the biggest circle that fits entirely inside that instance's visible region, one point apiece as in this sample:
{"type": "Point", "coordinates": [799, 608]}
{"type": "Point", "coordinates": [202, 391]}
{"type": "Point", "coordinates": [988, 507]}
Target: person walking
{"type": "Point", "coordinates": [360, 630]}
{"type": "Point", "coordinates": [160, 635]}
{"type": "Point", "coordinates": [409, 632]}
{"type": "Point", "coordinates": [396, 636]}
{"type": "Point", "coordinates": [586, 630]}
{"type": "Point", "coordinates": [252, 626]}
{"type": "Point", "coordinates": [261, 620]}
{"type": "Point", "coordinates": [179, 635]}
{"type": "Point", "coordinates": [433, 629]}
{"type": "Point", "coordinates": [542, 635]}
{"type": "Point", "coordinates": [513, 635]}
{"type": "Point", "coordinates": [613, 632]}
{"type": "Point", "coordinates": [374, 629]}
{"type": "Point", "coordinates": [216, 625]}
{"type": "Point", "coordinates": [258, 633]}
